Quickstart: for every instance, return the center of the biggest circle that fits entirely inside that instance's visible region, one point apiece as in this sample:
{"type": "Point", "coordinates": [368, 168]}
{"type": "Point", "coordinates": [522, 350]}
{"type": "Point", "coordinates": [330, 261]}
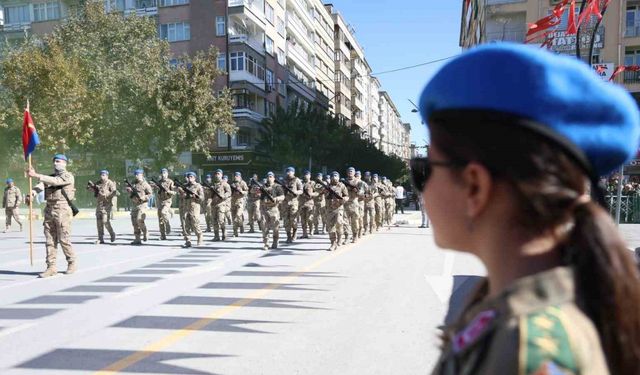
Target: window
{"type": "Point", "coordinates": [237, 61]}
{"type": "Point", "coordinates": [280, 26]}
{"type": "Point", "coordinates": [19, 14]}
{"type": "Point", "coordinates": [268, 11]}
{"type": "Point", "coordinates": [270, 108]}
{"type": "Point", "coordinates": [338, 55]}
{"type": "Point", "coordinates": [268, 45]}
{"type": "Point", "coordinates": [114, 5]}
{"type": "Point", "coordinates": [221, 26]}
{"type": "Point", "coordinates": [282, 89]}
{"type": "Point", "coordinates": [223, 139]}
{"type": "Point", "coordinates": [46, 11]}
{"type": "Point", "coordinates": [222, 62]}
{"type": "Point", "coordinates": [282, 58]}
{"type": "Point", "coordinates": [243, 137]}
{"type": "Point", "coordinates": [168, 3]}
{"type": "Point", "coordinates": [269, 79]}
{"type": "Point", "coordinates": [175, 32]}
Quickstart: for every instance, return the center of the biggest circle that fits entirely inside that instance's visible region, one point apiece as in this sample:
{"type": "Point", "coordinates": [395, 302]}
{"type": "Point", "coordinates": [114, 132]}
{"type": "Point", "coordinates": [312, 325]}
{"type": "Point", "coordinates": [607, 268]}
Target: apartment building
{"type": "Point", "coordinates": [394, 134]}
{"type": "Point", "coordinates": [372, 107]}
{"type": "Point", "coordinates": [617, 41]}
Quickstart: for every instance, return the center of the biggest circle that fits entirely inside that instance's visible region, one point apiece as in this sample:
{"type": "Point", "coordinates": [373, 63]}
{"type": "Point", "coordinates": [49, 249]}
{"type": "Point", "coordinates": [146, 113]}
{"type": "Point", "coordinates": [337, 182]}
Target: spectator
{"type": "Point", "coordinates": [399, 190]}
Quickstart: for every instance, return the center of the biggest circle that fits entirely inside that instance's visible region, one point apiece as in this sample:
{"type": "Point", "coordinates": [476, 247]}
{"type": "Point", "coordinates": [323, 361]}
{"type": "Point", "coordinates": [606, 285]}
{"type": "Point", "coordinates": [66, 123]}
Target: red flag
{"type": "Point", "coordinates": [29, 135]}
{"type": "Point", "coordinates": [571, 24]}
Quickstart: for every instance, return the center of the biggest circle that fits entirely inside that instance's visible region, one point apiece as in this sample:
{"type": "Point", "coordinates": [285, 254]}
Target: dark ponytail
{"type": "Point", "coordinates": [609, 286]}
{"type": "Point", "coordinates": [550, 189]}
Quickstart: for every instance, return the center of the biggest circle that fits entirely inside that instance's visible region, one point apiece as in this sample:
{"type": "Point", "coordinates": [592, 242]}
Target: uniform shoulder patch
{"type": "Point", "coordinates": [545, 347]}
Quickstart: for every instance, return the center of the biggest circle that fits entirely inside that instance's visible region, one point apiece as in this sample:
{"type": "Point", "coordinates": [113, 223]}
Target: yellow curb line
{"type": "Point", "coordinates": [178, 335]}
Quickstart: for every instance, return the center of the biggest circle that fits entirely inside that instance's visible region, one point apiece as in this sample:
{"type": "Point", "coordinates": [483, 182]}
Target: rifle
{"type": "Point", "coordinates": [188, 191]}
{"type": "Point", "coordinates": [263, 190]}
{"type": "Point", "coordinates": [134, 192]}
{"type": "Point", "coordinates": [206, 184]}
{"type": "Point", "coordinates": [284, 186]}
{"type": "Point", "coordinates": [159, 185]}
{"type": "Point", "coordinates": [328, 189]}
{"type": "Point", "coordinates": [348, 184]}
{"type": "Point", "coordinates": [234, 189]}
{"type": "Point", "coordinates": [94, 187]}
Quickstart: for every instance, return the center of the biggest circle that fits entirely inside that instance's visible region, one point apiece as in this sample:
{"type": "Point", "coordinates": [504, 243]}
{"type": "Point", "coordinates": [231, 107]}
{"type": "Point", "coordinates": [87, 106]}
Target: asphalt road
{"type": "Point", "coordinates": [229, 308]}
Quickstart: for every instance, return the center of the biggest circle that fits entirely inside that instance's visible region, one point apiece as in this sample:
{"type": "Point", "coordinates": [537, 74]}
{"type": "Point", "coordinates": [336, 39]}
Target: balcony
{"type": "Point", "coordinates": [631, 77]}
{"type": "Point", "coordinates": [251, 8]}
{"type": "Point", "coordinates": [301, 87]}
{"type": "Point", "coordinates": [300, 58]}
{"type": "Point", "coordinates": [248, 114]}
{"type": "Point", "coordinates": [251, 42]}
{"type": "Point", "coordinates": [516, 36]}
{"type": "Point", "coordinates": [302, 9]}
{"type": "Point", "coordinates": [632, 31]}
{"type": "Point", "coordinates": [20, 26]}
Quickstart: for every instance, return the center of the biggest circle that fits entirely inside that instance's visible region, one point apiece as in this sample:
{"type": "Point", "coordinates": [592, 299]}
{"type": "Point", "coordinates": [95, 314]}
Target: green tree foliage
{"type": "Point", "coordinates": [102, 86]}
{"type": "Point", "coordinates": [291, 135]}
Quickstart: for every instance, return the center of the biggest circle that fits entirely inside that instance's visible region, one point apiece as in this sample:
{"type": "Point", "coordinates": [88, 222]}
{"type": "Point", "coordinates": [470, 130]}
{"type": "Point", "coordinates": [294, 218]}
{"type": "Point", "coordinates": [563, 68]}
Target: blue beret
{"type": "Point", "coordinates": [375, 175]}
{"type": "Point", "coordinates": [319, 174]}
{"type": "Point", "coordinates": [384, 178]}
{"type": "Point", "coordinates": [306, 172]}
{"type": "Point", "coordinates": [59, 157]}
{"type": "Point", "coordinates": [9, 180]}
{"type": "Point", "coordinates": [164, 170]}
{"type": "Point", "coordinates": [138, 171]}
{"type": "Point", "coordinates": [208, 175]}
{"type": "Point", "coordinates": [218, 171]}
{"type": "Point", "coordinates": [270, 174]}
{"type": "Point", "coordinates": [237, 174]}
{"type": "Point", "coordinates": [291, 169]}
{"type": "Point", "coordinates": [104, 171]}
{"type": "Point", "coordinates": [558, 96]}
{"type": "Point", "coordinates": [351, 169]}
{"type": "Point", "coordinates": [225, 177]}
{"type": "Point", "coordinates": [334, 173]}
{"type": "Point", "coordinates": [358, 173]}
{"type": "Point", "coordinates": [190, 174]}
{"type": "Point", "coordinates": [367, 173]}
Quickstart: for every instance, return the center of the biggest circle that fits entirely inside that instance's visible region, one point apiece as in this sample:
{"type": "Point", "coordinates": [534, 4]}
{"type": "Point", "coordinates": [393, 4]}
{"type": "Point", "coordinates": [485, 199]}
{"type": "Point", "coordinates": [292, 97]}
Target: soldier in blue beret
{"type": "Point", "coordinates": [519, 137]}
{"type": "Point", "coordinates": [10, 202]}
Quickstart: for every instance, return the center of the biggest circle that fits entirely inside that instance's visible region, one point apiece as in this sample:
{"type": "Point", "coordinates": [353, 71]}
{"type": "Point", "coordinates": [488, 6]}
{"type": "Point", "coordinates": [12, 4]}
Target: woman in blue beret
{"type": "Point", "coordinates": [519, 138]}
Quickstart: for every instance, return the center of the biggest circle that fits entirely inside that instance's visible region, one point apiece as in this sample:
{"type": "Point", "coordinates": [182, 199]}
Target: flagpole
{"type": "Point", "coordinates": [30, 208]}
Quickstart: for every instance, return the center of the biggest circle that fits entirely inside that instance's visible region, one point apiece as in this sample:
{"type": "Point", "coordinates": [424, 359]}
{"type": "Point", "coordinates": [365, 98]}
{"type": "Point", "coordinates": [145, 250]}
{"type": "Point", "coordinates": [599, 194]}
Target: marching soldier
{"type": "Point", "coordinates": [336, 194]}
{"type": "Point", "coordinates": [272, 195]}
{"type": "Point", "coordinates": [253, 205]}
{"type": "Point", "coordinates": [104, 191]}
{"type": "Point", "coordinates": [352, 206]}
{"type": "Point", "coordinates": [379, 204]}
{"type": "Point", "coordinates": [10, 202]}
{"type": "Point", "coordinates": [292, 190]}
{"type": "Point", "coordinates": [307, 203]}
{"type": "Point", "coordinates": [370, 196]}
{"type": "Point", "coordinates": [318, 206]}
{"type": "Point", "coordinates": [239, 190]}
{"type": "Point", "coordinates": [59, 192]}
{"type": "Point", "coordinates": [220, 205]}
{"type": "Point", "coordinates": [181, 205]}
{"type": "Point", "coordinates": [165, 195]}
{"type": "Point", "coordinates": [364, 188]}
{"type": "Point", "coordinates": [193, 197]}
{"type": "Point", "coordinates": [139, 192]}
{"type": "Point", "coordinates": [389, 202]}
{"type": "Point", "coordinates": [208, 195]}
{"type": "Point", "coordinates": [227, 215]}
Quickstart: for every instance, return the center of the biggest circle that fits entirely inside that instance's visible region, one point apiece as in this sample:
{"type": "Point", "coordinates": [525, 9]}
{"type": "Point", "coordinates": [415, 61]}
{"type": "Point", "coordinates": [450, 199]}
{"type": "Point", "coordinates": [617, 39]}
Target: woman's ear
{"type": "Point", "coordinates": [478, 184]}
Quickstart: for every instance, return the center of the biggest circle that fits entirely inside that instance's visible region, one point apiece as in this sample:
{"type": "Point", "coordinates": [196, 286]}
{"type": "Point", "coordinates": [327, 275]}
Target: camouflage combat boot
{"type": "Point", "coordinates": [50, 271]}
{"type": "Point", "coordinates": [71, 268]}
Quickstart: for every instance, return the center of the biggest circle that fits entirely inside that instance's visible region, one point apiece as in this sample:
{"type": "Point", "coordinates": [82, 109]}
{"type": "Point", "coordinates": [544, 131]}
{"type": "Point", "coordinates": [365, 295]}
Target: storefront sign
{"type": "Point", "coordinates": [562, 42]}
{"type": "Point", "coordinates": [604, 70]}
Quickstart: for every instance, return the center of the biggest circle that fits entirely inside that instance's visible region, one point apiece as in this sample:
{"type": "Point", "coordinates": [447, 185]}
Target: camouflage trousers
{"type": "Point", "coordinates": [290, 217]}
{"type": "Point", "coordinates": [208, 217]}
{"type": "Point", "coordinates": [306, 218]}
{"type": "Point", "coordinates": [379, 212]}
{"type": "Point", "coordinates": [12, 213]}
{"type": "Point", "coordinates": [255, 216]}
{"type": "Point", "coordinates": [219, 214]}
{"type": "Point", "coordinates": [103, 220]}
{"type": "Point", "coordinates": [164, 216]}
{"type": "Point", "coordinates": [318, 215]}
{"type": "Point", "coordinates": [352, 211]}
{"type": "Point", "coordinates": [335, 223]}
{"type": "Point", "coordinates": [237, 214]}
{"type": "Point", "coordinates": [369, 217]}
{"type": "Point", "coordinates": [57, 230]}
{"type": "Point", "coordinates": [389, 206]}
{"type": "Point", "coordinates": [138, 216]}
{"type": "Point", "coordinates": [270, 222]}
{"type": "Point", "coordinates": [192, 221]}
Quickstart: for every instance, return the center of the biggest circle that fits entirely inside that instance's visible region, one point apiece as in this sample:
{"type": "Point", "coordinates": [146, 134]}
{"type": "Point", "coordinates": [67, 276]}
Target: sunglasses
{"type": "Point", "coordinates": [421, 169]}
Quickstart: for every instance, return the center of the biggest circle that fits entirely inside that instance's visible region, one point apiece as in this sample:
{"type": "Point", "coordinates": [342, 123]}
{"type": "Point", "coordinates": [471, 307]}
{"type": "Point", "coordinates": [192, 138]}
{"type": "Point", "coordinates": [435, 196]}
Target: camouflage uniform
{"type": "Point", "coordinates": [390, 203]}
{"type": "Point", "coordinates": [352, 207]}
{"type": "Point", "coordinates": [253, 208]}
{"type": "Point", "coordinates": [163, 204]}
{"type": "Point", "coordinates": [208, 210]}
{"type": "Point", "coordinates": [192, 201]}
{"type": "Point", "coordinates": [364, 188]}
{"type": "Point", "coordinates": [290, 206]}
{"type": "Point", "coordinates": [307, 205]}
{"type": "Point", "coordinates": [369, 217]}
{"type": "Point", "coordinates": [104, 192]}
{"type": "Point", "coordinates": [379, 203]}
{"type": "Point", "coordinates": [271, 213]}
{"type": "Point", "coordinates": [182, 209]}
{"type": "Point", "coordinates": [140, 195]}
{"type": "Point", "coordinates": [220, 206]}
{"type": "Point", "coordinates": [318, 208]}
{"type": "Point", "coordinates": [335, 212]}
{"type": "Point", "coordinates": [533, 327]}
{"type": "Point", "coordinates": [10, 202]}
{"type": "Point", "coordinates": [57, 218]}
{"type": "Point", "coordinates": [238, 200]}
